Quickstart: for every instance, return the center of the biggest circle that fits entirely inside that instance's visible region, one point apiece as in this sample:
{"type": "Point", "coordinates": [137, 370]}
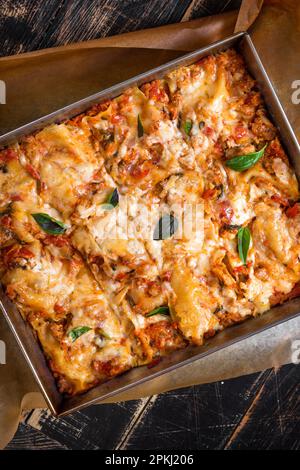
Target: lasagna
{"type": "Point", "coordinates": [105, 286]}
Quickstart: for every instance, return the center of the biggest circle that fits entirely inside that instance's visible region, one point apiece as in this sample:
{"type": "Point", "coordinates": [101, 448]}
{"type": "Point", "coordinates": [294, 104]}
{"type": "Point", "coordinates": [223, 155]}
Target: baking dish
{"type": "Point", "coordinates": [59, 404]}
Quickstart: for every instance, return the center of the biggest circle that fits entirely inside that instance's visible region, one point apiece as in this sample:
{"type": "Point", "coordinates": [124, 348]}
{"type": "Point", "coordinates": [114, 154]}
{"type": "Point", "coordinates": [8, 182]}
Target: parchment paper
{"type": "Point", "coordinates": [45, 80]}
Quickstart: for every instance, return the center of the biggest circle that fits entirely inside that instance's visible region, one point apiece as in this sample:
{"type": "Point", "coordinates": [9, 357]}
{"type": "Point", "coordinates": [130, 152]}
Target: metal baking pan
{"type": "Point", "coordinates": [61, 405]}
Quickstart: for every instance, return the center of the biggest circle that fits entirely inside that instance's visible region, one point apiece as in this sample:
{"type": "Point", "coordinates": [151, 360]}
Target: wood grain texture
{"type": "Point", "coordinates": [28, 25]}
{"type": "Point", "coordinates": [200, 8]}
{"type": "Point", "coordinates": [243, 413]}
{"type": "Point", "coordinates": [29, 438]}
{"type": "Point", "coordinates": [260, 411]}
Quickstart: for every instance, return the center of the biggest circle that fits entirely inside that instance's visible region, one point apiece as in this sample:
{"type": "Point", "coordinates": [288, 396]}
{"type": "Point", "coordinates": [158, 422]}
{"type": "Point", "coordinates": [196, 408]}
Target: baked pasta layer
{"type": "Point", "coordinates": [76, 256]}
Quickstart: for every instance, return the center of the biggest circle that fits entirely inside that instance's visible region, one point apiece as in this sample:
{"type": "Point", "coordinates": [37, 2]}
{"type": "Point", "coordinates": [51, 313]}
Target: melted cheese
{"type": "Point", "coordinates": [65, 162]}
{"type": "Point", "coordinates": [91, 291]}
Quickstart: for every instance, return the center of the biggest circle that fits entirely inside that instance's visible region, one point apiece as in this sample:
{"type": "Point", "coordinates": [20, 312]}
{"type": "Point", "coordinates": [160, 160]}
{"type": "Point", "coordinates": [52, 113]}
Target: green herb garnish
{"type": "Point", "coordinates": [140, 126]}
{"type": "Point", "coordinates": [187, 126]}
{"type": "Point", "coordinates": [113, 198]}
{"type": "Point", "coordinates": [164, 310]}
{"type": "Point", "coordinates": [243, 162]}
{"type": "Point", "coordinates": [78, 331]}
{"type": "Point", "coordinates": [244, 238]}
{"type": "Point", "coordinates": [49, 224]}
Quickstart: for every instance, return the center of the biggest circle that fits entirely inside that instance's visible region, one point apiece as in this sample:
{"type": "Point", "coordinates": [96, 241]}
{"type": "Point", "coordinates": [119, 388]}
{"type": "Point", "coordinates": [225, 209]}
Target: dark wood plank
{"type": "Point", "coordinates": [94, 427]}
{"type": "Point", "coordinates": [28, 25]}
{"type": "Point", "coordinates": [259, 411]}
{"type": "Point", "coordinates": [200, 8]}
{"type": "Point", "coordinates": [273, 419]}
{"type": "Point", "coordinates": [28, 438]}
{"type": "Point", "coordinates": [199, 417]}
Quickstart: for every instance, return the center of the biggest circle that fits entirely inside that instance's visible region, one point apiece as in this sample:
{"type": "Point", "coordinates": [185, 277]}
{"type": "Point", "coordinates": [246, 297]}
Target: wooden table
{"type": "Point", "coordinates": [260, 411]}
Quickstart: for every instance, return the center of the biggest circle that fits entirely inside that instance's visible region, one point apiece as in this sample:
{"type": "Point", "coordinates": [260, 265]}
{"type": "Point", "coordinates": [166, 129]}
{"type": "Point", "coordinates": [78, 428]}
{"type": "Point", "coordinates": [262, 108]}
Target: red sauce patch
{"type": "Point", "coordinates": [25, 253]}
{"type": "Point", "coordinates": [6, 221]}
{"type": "Point", "coordinates": [107, 368]}
{"type": "Point", "coordinates": [240, 132]}
{"type": "Point", "coordinates": [139, 171]}
{"type": "Point", "coordinates": [208, 131]}
{"type": "Point", "coordinates": [60, 309]}
{"type": "Point", "coordinates": [293, 211]}
{"type": "Point", "coordinates": [12, 253]}
{"type": "Point", "coordinates": [17, 197]}
{"type": "Point", "coordinates": [209, 193]}
{"type": "Point", "coordinates": [8, 155]}
{"type": "Point", "coordinates": [56, 240]}
{"type": "Point", "coordinates": [280, 200]}
{"type": "Point", "coordinates": [225, 211]}
{"type": "Point", "coordinates": [33, 172]}
{"type": "Point", "coordinates": [155, 91]}
{"type": "Point", "coordinates": [116, 119]}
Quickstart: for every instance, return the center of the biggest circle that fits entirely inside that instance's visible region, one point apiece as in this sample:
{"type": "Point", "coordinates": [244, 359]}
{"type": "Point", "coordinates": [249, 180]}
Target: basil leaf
{"type": "Point", "coordinates": [159, 311]}
{"type": "Point", "coordinates": [166, 227]}
{"type": "Point", "coordinates": [78, 331]}
{"type": "Point", "coordinates": [49, 224]}
{"type": "Point", "coordinates": [243, 162]}
{"type": "Point", "coordinates": [113, 198]}
{"type": "Point", "coordinates": [140, 127]}
{"type": "Point", "coordinates": [187, 126]}
{"type": "Point", "coordinates": [243, 237]}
